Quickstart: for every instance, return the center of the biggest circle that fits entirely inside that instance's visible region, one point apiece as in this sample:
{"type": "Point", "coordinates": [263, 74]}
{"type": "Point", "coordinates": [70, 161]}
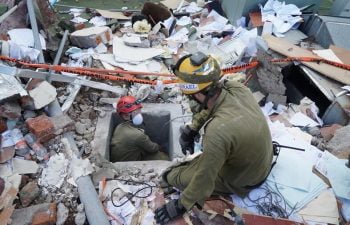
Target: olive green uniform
{"type": "Point", "coordinates": [237, 150]}
{"type": "Point", "coordinates": [132, 144]}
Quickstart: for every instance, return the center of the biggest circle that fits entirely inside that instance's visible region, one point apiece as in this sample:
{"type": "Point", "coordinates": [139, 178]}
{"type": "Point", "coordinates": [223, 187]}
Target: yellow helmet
{"type": "Point", "coordinates": [197, 72]}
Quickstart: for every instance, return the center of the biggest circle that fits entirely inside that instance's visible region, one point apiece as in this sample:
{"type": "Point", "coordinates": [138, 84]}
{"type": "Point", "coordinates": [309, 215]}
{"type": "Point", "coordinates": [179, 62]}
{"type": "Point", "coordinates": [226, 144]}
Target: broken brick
{"type": "Point", "coordinates": [10, 110]}
{"type": "Point", "coordinates": [250, 219]}
{"type": "Point", "coordinates": [328, 132]}
{"type": "Point", "coordinates": [27, 103]}
{"type": "Point", "coordinates": [47, 217]}
{"type": "Point", "coordinates": [42, 127]}
{"type": "Point", "coordinates": [3, 125]}
{"type": "Point", "coordinates": [28, 193]}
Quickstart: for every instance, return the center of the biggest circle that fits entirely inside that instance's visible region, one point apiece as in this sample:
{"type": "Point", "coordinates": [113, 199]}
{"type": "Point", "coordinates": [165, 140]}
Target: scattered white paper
{"type": "Point", "coordinates": [121, 51]}
{"type": "Point", "coordinates": [16, 35]}
{"type": "Point", "coordinates": [282, 16]}
{"type": "Point", "coordinates": [98, 21]}
{"type": "Point", "coordinates": [299, 119]}
{"type": "Point", "coordinates": [336, 172]}
{"type": "Point", "coordinates": [183, 21]}
{"type": "Point", "coordinates": [193, 8]}
{"type": "Point", "coordinates": [78, 19]}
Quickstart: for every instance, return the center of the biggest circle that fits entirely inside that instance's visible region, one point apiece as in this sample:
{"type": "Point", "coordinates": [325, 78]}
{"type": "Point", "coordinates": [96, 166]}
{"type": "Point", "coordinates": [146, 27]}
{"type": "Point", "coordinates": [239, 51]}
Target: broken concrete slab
{"type": "Point", "coordinates": [10, 87]}
{"type": "Point", "coordinates": [21, 166]}
{"type": "Point", "coordinates": [43, 94]}
{"type": "Point", "coordinates": [328, 132]}
{"type": "Point", "coordinates": [91, 37]}
{"type": "Point", "coordinates": [24, 216]}
{"type": "Point", "coordinates": [62, 214]}
{"type": "Point", "coordinates": [340, 143]}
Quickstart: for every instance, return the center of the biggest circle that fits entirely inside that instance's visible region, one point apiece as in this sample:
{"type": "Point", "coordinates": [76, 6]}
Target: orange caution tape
{"type": "Point", "coordinates": [107, 74]}
{"type": "Point", "coordinates": [240, 67]}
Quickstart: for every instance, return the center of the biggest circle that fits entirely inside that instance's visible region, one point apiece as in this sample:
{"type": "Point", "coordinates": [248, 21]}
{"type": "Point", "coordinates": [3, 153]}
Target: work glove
{"type": "Point", "coordinates": [169, 211]}
{"type": "Point", "coordinates": [187, 140]}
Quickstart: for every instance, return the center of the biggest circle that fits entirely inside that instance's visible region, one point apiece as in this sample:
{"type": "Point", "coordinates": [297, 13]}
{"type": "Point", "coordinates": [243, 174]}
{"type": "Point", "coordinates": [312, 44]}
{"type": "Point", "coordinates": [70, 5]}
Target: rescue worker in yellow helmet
{"type": "Point", "coordinates": [237, 147]}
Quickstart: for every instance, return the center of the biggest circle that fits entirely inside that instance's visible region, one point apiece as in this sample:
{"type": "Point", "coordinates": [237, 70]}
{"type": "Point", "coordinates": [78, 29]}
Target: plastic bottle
{"type": "Point", "coordinates": [39, 150]}
{"type": "Point", "coordinates": [22, 149]}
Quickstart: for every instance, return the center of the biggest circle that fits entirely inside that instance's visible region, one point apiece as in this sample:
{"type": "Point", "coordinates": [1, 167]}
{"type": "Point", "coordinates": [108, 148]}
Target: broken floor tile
{"type": "Point", "coordinates": [250, 219]}
{"type": "Point", "coordinates": [43, 94]}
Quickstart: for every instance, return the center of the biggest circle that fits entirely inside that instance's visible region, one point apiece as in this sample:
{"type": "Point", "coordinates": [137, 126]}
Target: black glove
{"type": "Point", "coordinates": [187, 140]}
{"type": "Point", "coordinates": [169, 211]}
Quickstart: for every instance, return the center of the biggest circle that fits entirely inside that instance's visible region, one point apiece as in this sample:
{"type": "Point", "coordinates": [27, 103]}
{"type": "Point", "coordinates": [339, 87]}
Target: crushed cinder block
{"type": "Point", "coordinates": [43, 94]}
{"type": "Point", "coordinates": [42, 127]}
{"type": "Point", "coordinates": [47, 217]}
{"type": "Point", "coordinates": [91, 37]}
{"type": "Point", "coordinates": [277, 99]}
{"type": "Point", "coordinates": [10, 110]}
{"type": "Point", "coordinates": [28, 193]}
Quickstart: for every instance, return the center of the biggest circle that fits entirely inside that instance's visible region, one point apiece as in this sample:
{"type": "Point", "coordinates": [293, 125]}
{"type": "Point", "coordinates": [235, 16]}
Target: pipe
{"type": "Point", "coordinates": [58, 54]}
{"type": "Point", "coordinates": [35, 30]}
{"type": "Point", "coordinates": [6, 14]}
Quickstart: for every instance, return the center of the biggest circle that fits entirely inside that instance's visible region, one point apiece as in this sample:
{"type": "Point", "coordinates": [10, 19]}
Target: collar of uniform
{"type": "Point", "coordinates": [218, 102]}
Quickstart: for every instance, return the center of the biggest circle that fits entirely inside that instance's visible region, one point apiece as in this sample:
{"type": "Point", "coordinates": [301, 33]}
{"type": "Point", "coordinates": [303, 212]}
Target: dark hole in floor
{"type": "Point", "coordinates": [299, 85]}
{"type": "Point", "coordinates": [156, 126]}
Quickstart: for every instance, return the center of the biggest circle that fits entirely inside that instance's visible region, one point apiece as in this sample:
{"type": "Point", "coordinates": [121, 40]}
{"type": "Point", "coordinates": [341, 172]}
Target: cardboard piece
{"type": "Point", "coordinates": [343, 54]}
{"type": "Point", "coordinates": [285, 48]}
{"type": "Point", "coordinates": [112, 15]}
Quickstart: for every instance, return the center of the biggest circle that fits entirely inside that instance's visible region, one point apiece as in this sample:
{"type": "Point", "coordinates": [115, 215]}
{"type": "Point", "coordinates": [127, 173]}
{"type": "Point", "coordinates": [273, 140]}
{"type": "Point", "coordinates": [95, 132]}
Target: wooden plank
{"type": "Point", "coordinates": [343, 54]}
{"type": "Point", "coordinates": [285, 48]}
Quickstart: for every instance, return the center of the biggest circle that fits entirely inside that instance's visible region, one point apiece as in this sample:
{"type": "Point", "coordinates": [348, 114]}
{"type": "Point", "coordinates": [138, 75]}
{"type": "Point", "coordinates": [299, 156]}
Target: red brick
{"type": "Point", "coordinates": [328, 132]}
{"type": "Point", "coordinates": [42, 127]}
{"type": "Point", "coordinates": [250, 219]}
{"type": "Point", "coordinates": [47, 217]}
{"type": "Point", "coordinates": [3, 125]}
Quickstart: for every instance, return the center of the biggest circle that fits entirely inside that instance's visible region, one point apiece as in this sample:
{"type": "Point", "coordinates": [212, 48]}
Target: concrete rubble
{"type": "Point", "coordinates": [113, 53]}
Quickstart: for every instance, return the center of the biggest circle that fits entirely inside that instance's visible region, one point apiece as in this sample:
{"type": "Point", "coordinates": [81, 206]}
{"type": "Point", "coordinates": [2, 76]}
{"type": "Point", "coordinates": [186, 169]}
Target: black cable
{"type": "Point", "coordinates": [129, 198]}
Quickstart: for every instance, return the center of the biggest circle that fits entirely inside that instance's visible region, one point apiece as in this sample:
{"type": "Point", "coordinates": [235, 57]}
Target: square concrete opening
{"type": "Point", "coordinates": [162, 125]}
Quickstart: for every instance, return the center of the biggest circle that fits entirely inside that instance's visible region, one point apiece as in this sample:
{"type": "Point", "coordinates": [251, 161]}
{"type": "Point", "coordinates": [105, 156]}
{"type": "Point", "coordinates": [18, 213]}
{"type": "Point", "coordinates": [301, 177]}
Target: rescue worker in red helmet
{"type": "Point", "coordinates": [130, 143]}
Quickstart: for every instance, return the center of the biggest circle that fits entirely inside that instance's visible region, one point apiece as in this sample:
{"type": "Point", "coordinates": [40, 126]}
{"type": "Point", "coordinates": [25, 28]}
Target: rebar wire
{"type": "Point", "coordinates": [129, 198]}
{"type": "Point", "coordinates": [271, 204]}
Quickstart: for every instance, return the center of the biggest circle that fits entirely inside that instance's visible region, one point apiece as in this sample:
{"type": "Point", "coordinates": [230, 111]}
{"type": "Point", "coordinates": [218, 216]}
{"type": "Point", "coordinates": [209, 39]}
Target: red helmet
{"type": "Point", "coordinates": [128, 104]}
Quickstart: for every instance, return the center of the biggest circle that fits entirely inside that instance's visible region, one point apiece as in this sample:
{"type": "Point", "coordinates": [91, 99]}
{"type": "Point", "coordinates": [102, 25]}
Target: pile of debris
{"type": "Point", "coordinates": [54, 92]}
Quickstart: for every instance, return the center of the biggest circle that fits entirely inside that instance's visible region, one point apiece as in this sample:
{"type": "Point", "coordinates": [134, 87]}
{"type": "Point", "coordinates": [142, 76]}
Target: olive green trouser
{"type": "Point", "coordinates": [155, 156]}
{"type": "Point", "coordinates": [181, 175]}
